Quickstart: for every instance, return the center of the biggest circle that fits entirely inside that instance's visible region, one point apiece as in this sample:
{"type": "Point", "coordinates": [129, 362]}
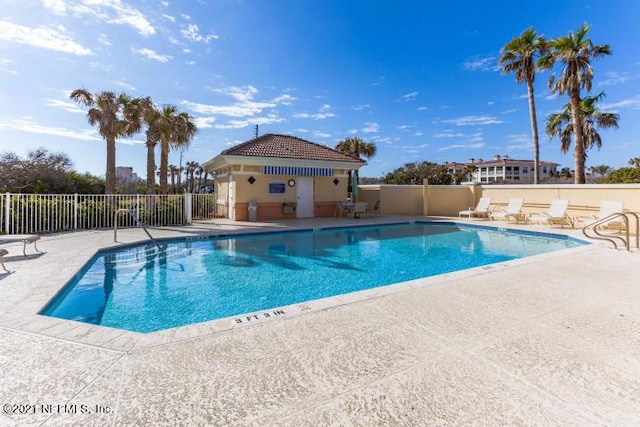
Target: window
{"type": "Point", "coordinates": [525, 169]}
{"type": "Point", "coordinates": [544, 169]}
{"type": "Point", "coordinates": [516, 168]}
{"type": "Point", "coordinates": [277, 188]}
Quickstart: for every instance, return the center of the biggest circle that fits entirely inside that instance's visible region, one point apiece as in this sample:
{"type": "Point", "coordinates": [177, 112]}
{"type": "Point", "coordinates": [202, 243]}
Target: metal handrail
{"type": "Point", "coordinates": [137, 220]}
{"type": "Point", "coordinates": [625, 240]}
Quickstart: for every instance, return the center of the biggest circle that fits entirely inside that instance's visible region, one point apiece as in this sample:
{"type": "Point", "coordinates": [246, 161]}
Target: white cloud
{"type": "Point", "coordinates": [68, 106]}
{"type": "Point", "coordinates": [462, 146]}
{"type": "Point", "coordinates": [423, 108]}
{"type": "Point", "coordinates": [5, 65]}
{"type": "Point", "coordinates": [360, 107]}
{"type": "Point", "coordinates": [28, 125]}
{"type": "Point", "coordinates": [204, 122]}
{"type": "Point", "coordinates": [125, 85]}
{"type": "Point", "coordinates": [483, 64]}
{"type": "Point", "coordinates": [418, 133]}
{"type": "Point", "coordinates": [512, 110]}
{"type": "Point", "coordinates": [103, 39]}
{"type": "Point", "coordinates": [46, 38]}
{"type": "Point", "coordinates": [324, 113]}
{"type": "Point", "coordinates": [109, 11]}
{"type": "Point", "coordinates": [519, 142]}
{"type": "Point", "coordinates": [631, 103]}
{"type": "Point", "coordinates": [152, 54]}
{"type": "Point", "coordinates": [614, 78]}
{"type": "Point", "coordinates": [169, 17]}
{"type": "Point", "coordinates": [371, 127]}
{"type": "Point", "coordinates": [235, 124]}
{"type": "Point", "coordinates": [284, 99]}
{"type": "Point", "coordinates": [474, 121]}
{"type": "Point", "coordinates": [192, 32]}
{"type": "Point", "coordinates": [409, 97]}
{"type": "Point", "coordinates": [301, 130]}
{"type": "Point", "coordinates": [319, 134]}
{"type": "Point", "coordinates": [352, 131]}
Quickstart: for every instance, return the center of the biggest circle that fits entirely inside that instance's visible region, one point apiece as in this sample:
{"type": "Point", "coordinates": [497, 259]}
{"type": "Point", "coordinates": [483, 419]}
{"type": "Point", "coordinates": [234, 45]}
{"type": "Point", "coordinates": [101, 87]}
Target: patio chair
{"type": "Point", "coordinates": [360, 208]}
{"type": "Point", "coordinates": [512, 211]}
{"type": "Point", "coordinates": [3, 252]}
{"type": "Point", "coordinates": [481, 210]}
{"type": "Point", "coordinates": [343, 209]}
{"type": "Point", "coordinates": [557, 214]}
{"type": "Point", "coordinates": [606, 209]}
{"type": "Point", "coordinates": [24, 238]}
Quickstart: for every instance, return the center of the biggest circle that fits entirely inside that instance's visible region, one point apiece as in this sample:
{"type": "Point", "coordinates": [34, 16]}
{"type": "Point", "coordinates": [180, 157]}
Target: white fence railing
{"type": "Point", "coordinates": [44, 213]}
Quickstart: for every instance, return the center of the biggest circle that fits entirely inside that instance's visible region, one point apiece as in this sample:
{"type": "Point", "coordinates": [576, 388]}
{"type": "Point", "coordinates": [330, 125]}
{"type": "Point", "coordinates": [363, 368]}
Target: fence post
{"type": "Point", "coordinates": [75, 211]}
{"type": "Point", "coordinates": [6, 213]}
{"type": "Point", "coordinates": [138, 205]}
{"type": "Point", "coordinates": [187, 208]}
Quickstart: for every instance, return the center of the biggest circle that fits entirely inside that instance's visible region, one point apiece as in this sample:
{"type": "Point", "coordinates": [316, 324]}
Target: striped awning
{"type": "Point", "coordinates": [296, 171]}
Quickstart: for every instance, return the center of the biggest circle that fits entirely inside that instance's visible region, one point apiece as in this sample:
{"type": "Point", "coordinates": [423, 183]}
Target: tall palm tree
{"type": "Point", "coordinates": [117, 116]}
{"type": "Point", "coordinates": [592, 119]}
{"type": "Point", "coordinates": [635, 162]}
{"type": "Point", "coordinates": [190, 172]}
{"type": "Point", "coordinates": [600, 170]}
{"type": "Point", "coordinates": [356, 147]}
{"type": "Point", "coordinates": [176, 130]}
{"type": "Point", "coordinates": [173, 171]}
{"type": "Point", "coordinates": [199, 171]}
{"type": "Point", "coordinates": [575, 52]}
{"type": "Point", "coordinates": [152, 119]}
{"type": "Point", "coordinates": [519, 57]}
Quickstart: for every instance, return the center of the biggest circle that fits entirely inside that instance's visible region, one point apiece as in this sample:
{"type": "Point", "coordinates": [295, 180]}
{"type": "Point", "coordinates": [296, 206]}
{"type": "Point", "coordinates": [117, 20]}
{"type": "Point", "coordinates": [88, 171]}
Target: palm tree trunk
{"type": "Point", "coordinates": [164, 164]}
{"type": "Point", "coordinates": [534, 132]}
{"type": "Point", "coordinates": [578, 143]}
{"type": "Point", "coordinates": [110, 175]}
{"type": "Point", "coordinates": [151, 168]}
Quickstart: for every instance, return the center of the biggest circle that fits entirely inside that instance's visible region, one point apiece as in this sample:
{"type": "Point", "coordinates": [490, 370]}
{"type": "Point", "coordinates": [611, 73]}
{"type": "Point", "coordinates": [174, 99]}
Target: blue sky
{"type": "Point", "coordinates": [420, 79]}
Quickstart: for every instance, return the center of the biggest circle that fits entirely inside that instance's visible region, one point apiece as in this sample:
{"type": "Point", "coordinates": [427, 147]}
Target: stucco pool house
{"type": "Point", "coordinates": [281, 176]}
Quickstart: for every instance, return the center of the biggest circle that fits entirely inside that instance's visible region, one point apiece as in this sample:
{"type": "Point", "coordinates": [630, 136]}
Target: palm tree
{"type": "Point", "coordinates": [575, 52]}
{"type": "Point", "coordinates": [190, 172]}
{"type": "Point", "coordinates": [176, 130]}
{"type": "Point", "coordinates": [173, 171]}
{"type": "Point", "coordinates": [199, 171]}
{"type": "Point", "coordinates": [635, 162]}
{"type": "Point", "coordinates": [600, 170]}
{"type": "Point", "coordinates": [592, 119]}
{"type": "Point", "coordinates": [117, 116]}
{"type": "Point", "coordinates": [356, 147]}
{"type": "Point", "coordinates": [468, 170]}
{"type": "Point", "coordinates": [154, 122]}
{"type": "Point", "coordinates": [518, 56]}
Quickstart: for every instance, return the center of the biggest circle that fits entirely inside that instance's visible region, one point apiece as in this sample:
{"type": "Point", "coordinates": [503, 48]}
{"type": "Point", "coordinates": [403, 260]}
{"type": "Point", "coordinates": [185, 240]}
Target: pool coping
{"type": "Point", "coordinates": [26, 317]}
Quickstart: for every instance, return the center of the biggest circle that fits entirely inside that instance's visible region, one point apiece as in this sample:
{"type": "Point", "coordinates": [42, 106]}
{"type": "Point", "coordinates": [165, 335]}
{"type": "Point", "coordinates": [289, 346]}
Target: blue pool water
{"type": "Point", "coordinates": [142, 289]}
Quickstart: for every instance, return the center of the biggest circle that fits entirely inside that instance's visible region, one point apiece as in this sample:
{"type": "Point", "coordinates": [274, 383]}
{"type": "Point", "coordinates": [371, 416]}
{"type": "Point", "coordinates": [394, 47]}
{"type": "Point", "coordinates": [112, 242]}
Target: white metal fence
{"type": "Point", "coordinates": [44, 213]}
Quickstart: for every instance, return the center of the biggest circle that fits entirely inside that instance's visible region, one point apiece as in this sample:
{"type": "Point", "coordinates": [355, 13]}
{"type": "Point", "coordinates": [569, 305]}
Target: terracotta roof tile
{"type": "Point", "coordinates": [288, 147]}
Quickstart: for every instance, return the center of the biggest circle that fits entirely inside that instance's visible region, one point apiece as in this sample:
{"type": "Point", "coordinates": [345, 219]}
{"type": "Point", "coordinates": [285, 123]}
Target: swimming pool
{"type": "Point", "coordinates": [141, 289]}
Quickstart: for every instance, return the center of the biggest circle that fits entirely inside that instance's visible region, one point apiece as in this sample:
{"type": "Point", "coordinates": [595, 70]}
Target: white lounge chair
{"type": "Point", "coordinates": [3, 252]}
{"type": "Point", "coordinates": [24, 238]}
{"type": "Point", "coordinates": [606, 209]}
{"type": "Point", "coordinates": [481, 210]}
{"type": "Point", "coordinates": [512, 211]}
{"type": "Point", "coordinates": [557, 214]}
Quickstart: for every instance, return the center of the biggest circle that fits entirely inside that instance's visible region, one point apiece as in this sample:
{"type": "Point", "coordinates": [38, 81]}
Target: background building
{"type": "Point", "coordinates": [502, 169]}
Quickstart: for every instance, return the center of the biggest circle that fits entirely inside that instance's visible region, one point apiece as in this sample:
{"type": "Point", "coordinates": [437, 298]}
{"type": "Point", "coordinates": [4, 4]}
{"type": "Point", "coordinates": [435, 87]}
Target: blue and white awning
{"type": "Point", "coordinates": [296, 171]}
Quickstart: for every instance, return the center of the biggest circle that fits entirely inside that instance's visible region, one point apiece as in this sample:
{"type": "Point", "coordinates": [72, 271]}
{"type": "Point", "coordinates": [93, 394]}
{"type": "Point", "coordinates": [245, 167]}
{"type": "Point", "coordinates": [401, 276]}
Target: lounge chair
{"type": "Point", "coordinates": [24, 238]}
{"type": "Point", "coordinates": [607, 209]}
{"type": "Point", "coordinates": [481, 210]}
{"type": "Point", "coordinates": [3, 252]}
{"type": "Point", "coordinates": [557, 214]}
{"type": "Point", "coordinates": [512, 211]}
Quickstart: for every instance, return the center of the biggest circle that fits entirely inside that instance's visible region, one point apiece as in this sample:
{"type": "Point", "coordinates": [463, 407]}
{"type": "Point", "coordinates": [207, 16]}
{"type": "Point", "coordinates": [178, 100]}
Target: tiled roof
{"type": "Point", "coordinates": [501, 162]}
{"type": "Point", "coordinates": [288, 147]}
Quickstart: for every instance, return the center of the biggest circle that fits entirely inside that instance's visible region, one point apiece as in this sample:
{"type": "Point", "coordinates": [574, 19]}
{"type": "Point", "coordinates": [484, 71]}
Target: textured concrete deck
{"type": "Point", "coordinates": [548, 340]}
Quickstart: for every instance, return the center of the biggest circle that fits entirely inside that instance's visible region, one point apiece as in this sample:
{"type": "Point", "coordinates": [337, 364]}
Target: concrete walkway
{"type": "Point", "coordinates": [548, 340]}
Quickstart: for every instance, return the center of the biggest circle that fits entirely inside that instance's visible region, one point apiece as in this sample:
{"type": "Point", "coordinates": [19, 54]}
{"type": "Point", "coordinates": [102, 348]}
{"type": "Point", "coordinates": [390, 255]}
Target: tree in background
{"type": "Point", "coordinates": [176, 131]}
{"type": "Point", "coordinates": [574, 52]}
{"type": "Point", "coordinates": [592, 119]}
{"type": "Point", "coordinates": [356, 147]}
{"type": "Point", "coordinates": [519, 57]}
{"type": "Point", "coordinates": [190, 171]}
{"type": "Point", "coordinates": [42, 171]}
{"type": "Point", "coordinates": [629, 175]}
{"type": "Point", "coordinates": [416, 173]}
{"type": "Point", "coordinates": [116, 116]}
{"type": "Point", "coordinates": [600, 171]}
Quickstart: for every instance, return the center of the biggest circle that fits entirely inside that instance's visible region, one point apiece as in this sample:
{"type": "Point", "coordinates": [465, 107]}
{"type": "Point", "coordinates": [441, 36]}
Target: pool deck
{"type": "Point", "coordinates": [547, 340]}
